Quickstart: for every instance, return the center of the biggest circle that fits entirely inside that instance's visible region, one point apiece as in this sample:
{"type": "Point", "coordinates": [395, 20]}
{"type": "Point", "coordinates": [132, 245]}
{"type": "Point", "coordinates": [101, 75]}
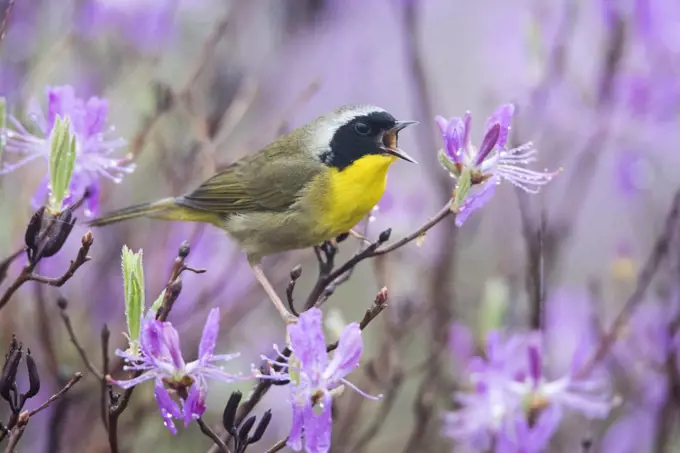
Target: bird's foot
{"type": "Point", "coordinates": [359, 236]}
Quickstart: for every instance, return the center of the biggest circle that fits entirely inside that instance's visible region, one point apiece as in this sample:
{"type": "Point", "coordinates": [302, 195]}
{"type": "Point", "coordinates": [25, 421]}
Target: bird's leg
{"type": "Point", "coordinates": [287, 316]}
{"type": "Point", "coordinates": [359, 236]}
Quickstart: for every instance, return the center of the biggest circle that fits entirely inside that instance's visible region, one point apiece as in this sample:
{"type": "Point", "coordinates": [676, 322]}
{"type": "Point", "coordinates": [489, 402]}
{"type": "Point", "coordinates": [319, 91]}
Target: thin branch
{"type": "Point", "coordinates": [327, 279]}
{"type": "Point", "coordinates": [280, 445]}
{"type": "Point", "coordinates": [378, 306]}
{"type": "Point", "coordinates": [295, 274]}
{"type": "Point", "coordinates": [105, 336]}
{"type": "Point", "coordinates": [4, 264]}
{"type": "Point", "coordinates": [73, 381]}
{"type": "Point", "coordinates": [14, 438]}
{"type": "Point", "coordinates": [394, 385]}
{"type": "Point", "coordinates": [28, 275]}
{"type": "Point", "coordinates": [24, 417]}
{"type": "Point", "coordinates": [205, 429]}
{"type": "Point", "coordinates": [441, 215]}
{"type": "Point", "coordinates": [660, 250]}
{"type": "Point", "coordinates": [74, 339]}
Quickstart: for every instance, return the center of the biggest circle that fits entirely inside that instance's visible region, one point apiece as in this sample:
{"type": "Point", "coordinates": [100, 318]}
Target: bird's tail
{"type": "Point", "coordinates": [161, 209]}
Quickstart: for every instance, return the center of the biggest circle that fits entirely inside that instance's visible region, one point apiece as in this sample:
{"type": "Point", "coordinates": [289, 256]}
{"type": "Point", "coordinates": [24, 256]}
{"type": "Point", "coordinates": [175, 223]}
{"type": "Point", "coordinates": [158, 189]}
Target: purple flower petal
{"type": "Point", "coordinates": [308, 341]}
{"type": "Point", "coordinates": [476, 201]}
{"type": "Point", "coordinates": [209, 337]}
{"type": "Point", "coordinates": [318, 427]}
{"type": "Point", "coordinates": [535, 367]}
{"type": "Point", "coordinates": [453, 140]}
{"type": "Point", "coordinates": [488, 143]}
{"type": "Point", "coordinates": [346, 356]}
{"type": "Point", "coordinates": [442, 124]}
{"type": "Point", "coordinates": [503, 116]}
{"type": "Point", "coordinates": [168, 407]}
{"type": "Point", "coordinates": [295, 436]}
{"type": "Point", "coordinates": [194, 405]}
{"type": "Point", "coordinates": [96, 112]}
{"type": "Point", "coordinates": [170, 344]}
{"type": "Point", "coordinates": [60, 101]}
{"type": "Point", "coordinates": [467, 127]}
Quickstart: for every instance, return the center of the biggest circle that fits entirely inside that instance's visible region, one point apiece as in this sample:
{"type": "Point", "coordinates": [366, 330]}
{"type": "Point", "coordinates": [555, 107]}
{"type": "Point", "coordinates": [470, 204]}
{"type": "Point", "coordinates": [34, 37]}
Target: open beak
{"type": "Point", "coordinates": [389, 141]}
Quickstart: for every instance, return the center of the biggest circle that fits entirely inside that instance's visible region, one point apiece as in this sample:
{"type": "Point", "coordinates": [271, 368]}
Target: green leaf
{"type": "Point", "coordinates": [3, 125]}
{"type": "Point", "coordinates": [156, 305]}
{"type": "Point", "coordinates": [462, 189]}
{"type": "Point", "coordinates": [447, 163]}
{"type": "Point", "coordinates": [62, 161]}
{"type": "Point", "coordinates": [133, 281]}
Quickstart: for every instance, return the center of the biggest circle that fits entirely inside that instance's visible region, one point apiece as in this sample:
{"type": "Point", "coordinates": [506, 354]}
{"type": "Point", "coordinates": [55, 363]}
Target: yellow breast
{"type": "Point", "coordinates": [353, 192]}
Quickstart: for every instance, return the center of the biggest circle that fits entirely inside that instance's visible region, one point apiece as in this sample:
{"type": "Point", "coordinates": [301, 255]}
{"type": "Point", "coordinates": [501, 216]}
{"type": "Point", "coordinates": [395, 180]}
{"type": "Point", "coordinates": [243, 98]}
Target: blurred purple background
{"type": "Point", "coordinates": [597, 89]}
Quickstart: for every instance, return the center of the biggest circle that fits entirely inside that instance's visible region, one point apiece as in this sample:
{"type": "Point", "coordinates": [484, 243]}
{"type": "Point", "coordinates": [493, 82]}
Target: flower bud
{"type": "Point", "coordinates": [244, 431]}
{"type": "Point", "coordinates": [261, 427]}
{"type": "Point", "coordinates": [33, 376]}
{"type": "Point", "coordinates": [385, 236]}
{"type": "Point", "coordinates": [229, 415]}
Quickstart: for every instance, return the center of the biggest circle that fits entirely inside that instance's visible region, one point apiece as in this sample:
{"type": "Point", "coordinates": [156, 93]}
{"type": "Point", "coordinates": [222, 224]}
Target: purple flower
{"type": "Point", "coordinates": [491, 162]}
{"type": "Point", "coordinates": [313, 378]}
{"type": "Point", "coordinates": [161, 360]}
{"type": "Point", "coordinates": [509, 388]}
{"type": "Point", "coordinates": [93, 148]}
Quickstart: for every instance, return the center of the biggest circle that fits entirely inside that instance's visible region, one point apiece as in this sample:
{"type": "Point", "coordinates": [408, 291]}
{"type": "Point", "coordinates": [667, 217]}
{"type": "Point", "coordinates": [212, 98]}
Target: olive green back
{"type": "Point", "coordinates": [269, 180]}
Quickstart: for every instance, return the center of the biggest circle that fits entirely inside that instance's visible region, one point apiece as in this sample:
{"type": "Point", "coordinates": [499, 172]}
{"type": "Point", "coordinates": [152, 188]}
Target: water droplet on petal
{"type": "Point", "coordinates": [318, 409]}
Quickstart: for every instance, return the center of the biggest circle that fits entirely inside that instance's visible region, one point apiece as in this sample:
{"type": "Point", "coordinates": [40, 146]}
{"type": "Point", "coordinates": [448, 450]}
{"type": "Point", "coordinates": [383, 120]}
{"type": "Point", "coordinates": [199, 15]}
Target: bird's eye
{"type": "Point", "coordinates": [362, 128]}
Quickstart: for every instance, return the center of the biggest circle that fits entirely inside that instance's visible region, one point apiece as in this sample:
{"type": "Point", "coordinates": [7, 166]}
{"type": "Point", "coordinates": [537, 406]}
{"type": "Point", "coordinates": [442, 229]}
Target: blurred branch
{"type": "Point", "coordinates": [659, 252]}
{"type": "Point", "coordinates": [184, 93]}
{"type": "Point", "coordinates": [535, 276]}
{"type": "Point", "coordinates": [6, 14]}
{"type": "Point", "coordinates": [45, 326]}
{"type": "Point", "coordinates": [423, 412]}
{"type": "Point", "coordinates": [421, 92]}
{"type": "Point", "coordinates": [302, 99]}
{"type": "Point", "coordinates": [442, 270]}
{"type": "Point", "coordinates": [63, 304]}
{"type": "Point", "coordinates": [587, 160]}
{"type": "Point", "coordinates": [393, 387]}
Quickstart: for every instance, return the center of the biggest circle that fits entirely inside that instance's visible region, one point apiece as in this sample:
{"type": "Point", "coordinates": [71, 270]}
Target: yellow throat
{"type": "Point", "coordinates": [353, 192]}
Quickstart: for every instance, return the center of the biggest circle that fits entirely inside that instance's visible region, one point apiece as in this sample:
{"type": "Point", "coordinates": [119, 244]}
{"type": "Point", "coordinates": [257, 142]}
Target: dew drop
{"type": "Point", "coordinates": [372, 218]}
{"type": "Point", "coordinates": [318, 409]}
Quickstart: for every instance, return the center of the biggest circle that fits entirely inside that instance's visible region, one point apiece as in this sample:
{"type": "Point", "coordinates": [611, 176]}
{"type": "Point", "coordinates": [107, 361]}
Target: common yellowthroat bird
{"type": "Point", "coordinates": [308, 186]}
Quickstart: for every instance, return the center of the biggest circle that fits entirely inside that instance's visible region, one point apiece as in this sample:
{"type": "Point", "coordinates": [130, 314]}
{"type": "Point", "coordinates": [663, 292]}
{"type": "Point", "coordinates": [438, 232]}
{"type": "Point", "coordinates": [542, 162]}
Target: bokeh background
{"type": "Point", "coordinates": [194, 84]}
